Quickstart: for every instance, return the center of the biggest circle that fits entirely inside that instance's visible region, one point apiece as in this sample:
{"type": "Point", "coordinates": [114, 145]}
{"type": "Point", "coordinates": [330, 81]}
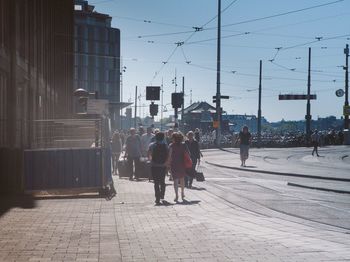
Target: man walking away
{"type": "Point", "coordinates": [315, 139]}
{"type": "Point", "coordinates": [195, 153]}
{"type": "Point", "coordinates": [133, 153]}
{"type": "Point", "coordinates": [158, 154]}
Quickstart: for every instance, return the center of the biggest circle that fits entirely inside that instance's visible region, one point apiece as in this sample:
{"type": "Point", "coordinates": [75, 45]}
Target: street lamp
{"type": "Point", "coordinates": [83, 96]}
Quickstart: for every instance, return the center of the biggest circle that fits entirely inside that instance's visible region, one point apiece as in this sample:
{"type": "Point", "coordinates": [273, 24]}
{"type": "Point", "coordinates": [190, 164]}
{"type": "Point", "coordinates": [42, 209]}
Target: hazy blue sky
{"type": "Point", "coordinates": [196, 59]}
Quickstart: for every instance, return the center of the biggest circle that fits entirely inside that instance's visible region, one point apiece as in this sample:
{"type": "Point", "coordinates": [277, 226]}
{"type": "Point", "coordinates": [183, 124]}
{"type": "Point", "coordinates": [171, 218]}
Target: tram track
{"type": "Point", "coordinates": [269, 208]}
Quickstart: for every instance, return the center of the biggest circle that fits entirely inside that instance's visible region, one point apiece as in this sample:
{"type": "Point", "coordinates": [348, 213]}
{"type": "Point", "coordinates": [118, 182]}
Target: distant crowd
{"type": "Point", "coordinates": [271, 139]}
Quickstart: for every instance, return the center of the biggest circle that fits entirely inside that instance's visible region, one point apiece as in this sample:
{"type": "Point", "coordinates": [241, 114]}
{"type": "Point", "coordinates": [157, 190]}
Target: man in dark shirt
{"type": "Point", "coordinates": [244, 138]}
{"type": "Point", "coordinates": [193, 147]}
{"type": "Point", "coordinates": [158, 154]}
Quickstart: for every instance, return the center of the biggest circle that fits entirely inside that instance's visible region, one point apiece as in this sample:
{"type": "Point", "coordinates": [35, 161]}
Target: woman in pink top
{"type": "Point", "coordinates": [176, 163]}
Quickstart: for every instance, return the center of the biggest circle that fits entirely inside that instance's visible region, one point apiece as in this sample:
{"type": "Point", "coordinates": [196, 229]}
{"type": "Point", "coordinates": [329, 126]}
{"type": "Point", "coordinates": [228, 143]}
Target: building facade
{"type": "Point", "coordinates": [97, 56]}
{"type": "Point", "coordinates": [36, 71]}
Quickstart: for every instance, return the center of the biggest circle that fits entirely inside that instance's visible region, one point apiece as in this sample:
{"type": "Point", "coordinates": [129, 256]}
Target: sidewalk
{"type": "Point", "coordinates": [131, 228]}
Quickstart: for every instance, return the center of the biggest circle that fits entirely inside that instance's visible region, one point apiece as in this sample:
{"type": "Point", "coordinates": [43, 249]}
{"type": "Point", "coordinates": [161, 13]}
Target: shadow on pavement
{"type": "Point", "coordinates": [251, 166]}
{"type": "Point", "coordinates": [50, 197]}
{"type": "Point", "coordinates": [198, 188]}
{"type": "Point", "coordinates": [189, 202]}
{"type": "Point", "coordinates": [10, 201]}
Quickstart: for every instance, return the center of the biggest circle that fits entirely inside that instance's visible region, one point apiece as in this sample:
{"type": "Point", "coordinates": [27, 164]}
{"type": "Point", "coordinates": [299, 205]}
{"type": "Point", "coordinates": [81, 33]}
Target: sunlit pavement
{"type": "Point", "coordinates": [230, 217]}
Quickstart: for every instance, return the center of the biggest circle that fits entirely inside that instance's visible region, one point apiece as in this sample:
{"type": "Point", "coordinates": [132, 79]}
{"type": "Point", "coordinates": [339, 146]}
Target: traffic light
{"type": "Point", "coordinates": [177, 100]}
{"type": "Point", "coordinates": [153, 109]}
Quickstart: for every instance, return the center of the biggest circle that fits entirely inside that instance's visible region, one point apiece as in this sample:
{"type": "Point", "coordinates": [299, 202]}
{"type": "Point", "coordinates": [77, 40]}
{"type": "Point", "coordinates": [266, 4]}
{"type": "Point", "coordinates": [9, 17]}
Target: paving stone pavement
{"type": "Point", "coordinates": [131, 228]}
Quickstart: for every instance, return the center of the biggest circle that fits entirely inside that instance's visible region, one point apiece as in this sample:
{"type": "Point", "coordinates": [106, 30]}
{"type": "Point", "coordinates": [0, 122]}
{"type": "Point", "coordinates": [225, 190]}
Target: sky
{"type": "Point", "coordinates": [252, 30]}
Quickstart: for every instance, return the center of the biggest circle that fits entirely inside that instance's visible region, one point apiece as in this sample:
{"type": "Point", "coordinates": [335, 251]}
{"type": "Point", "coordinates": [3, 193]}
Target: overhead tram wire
{"type": "Point", "coordinates": [316, 41]}
{"type": "Point", "coordinates": [257, 32]}
{"type": "Point", "coordinates": [256, 75]}
{"type": "Point", "coordinates": [304, 72]}
{"type": "Point", "coordinates": [278, 15]}
{"type": "Point", "coordinates": [197, 29]}
{"type": "Point", "coordinates": [151, 21]}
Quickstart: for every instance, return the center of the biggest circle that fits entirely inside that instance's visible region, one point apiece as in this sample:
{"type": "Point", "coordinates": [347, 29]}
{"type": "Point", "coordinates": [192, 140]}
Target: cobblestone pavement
{"type": "Point", "coordinates": [131, 228]}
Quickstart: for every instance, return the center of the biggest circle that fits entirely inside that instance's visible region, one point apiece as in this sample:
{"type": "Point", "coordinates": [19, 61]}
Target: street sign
{"type": "Point", "coordinates": [215, 124]}
{"type": "Point", "coordinates": [152, 93]}
{"type": "Point", "coordinates": [97, 106]}
{"type": "Point", "coordinates": [222, 97]}
{"type": "Point", "coordinates": [339, 92]}
{"type": "Point", "coordinates": [296, 97]}
{"type": "Point", "coordinates": [346, 110]}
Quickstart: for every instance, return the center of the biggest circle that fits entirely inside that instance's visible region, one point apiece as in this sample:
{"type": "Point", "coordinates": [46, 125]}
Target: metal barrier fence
{"type": "Point", "coordinates": [68, 154]}
{"type": "Point", "coordinates": [67, 133]}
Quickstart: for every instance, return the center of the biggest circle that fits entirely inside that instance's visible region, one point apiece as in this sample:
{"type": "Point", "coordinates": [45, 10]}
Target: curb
{"type": "Point", "coordinates": [281, 173]}
{"type": "Point", "coordinates": [319, 188]}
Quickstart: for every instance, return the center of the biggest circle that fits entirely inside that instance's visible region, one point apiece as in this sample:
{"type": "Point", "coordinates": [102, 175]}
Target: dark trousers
{"type": "Point", "coordinates": [158, 174]}
{"type": "Point", "coordinates": [315, 144]}
{"type": "Point", "coordinates": [134, 161]}
{"type": "Point", "coordinates": [189, 178]}
{"type": "Point", "coordinates": [115, 159]}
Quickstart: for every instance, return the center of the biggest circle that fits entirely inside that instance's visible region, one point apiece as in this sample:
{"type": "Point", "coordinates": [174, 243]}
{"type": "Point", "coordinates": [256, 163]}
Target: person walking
{"type": "Point", "coordinates": [133, 153]}
{"type": "Point", "coordinates": [244, 139]}
{"type": "Point", "coordinates": [197, 135]}
{"type": "Point", "coordinates": [315, 139]}
{"type": "Point", "coordinates": [158, 155]}
{"type": "Point", "coordinates": [146, 140]}
{"type": "Point", "coordinates": [116, 144]}
{"type": "Point", "coordinates": [176, 163]}
{"type": "Point", "coordinates": [195, 153]}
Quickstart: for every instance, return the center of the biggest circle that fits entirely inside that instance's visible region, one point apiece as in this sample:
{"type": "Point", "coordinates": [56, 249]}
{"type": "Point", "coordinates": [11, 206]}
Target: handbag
{"type": "Point", "coordinates": [187, 160]}
{"type": "Point", "coordinates": [199, 175]}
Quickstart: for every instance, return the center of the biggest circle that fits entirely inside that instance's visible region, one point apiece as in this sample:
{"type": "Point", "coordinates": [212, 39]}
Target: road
{"type": "Point", "coordinates": [287, 183]}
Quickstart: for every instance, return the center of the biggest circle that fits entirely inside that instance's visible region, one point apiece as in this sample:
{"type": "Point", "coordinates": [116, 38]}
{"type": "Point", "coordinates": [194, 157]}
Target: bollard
{"type": "Point", "coordinates": [346, 137]}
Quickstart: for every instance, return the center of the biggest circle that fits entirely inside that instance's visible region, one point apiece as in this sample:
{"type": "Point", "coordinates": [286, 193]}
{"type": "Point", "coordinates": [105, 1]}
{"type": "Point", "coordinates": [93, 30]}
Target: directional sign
{"type": "Point", "coordinates": [339, 92]}
{"type": "Point", "coordinates": [296, 97]}
{"type": "Point", "coordinates": [346, 110]}
{"type": "Point", "coordinates": [222, 97]}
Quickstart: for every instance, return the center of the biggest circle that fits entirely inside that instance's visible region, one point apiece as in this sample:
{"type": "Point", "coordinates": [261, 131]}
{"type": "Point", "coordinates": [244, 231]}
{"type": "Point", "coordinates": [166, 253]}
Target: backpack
{"type": "Point", "coordinates": [160, 153]}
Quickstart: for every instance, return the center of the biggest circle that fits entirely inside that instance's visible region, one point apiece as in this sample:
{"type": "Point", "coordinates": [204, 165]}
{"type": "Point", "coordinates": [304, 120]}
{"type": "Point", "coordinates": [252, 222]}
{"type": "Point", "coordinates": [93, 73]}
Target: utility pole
{"type": "Point", "coordinates": [191, 97]}
{"type": "Point", "coordinates": [175, 80]}
{"type": "Point", "coordinates": [161, 107]}
{"type": "Point", "coordinates": [308, 105]}
{"type": "Point", "coordinates": [183, 103]}
{"type": "Point", "coordinates": [259, 107]}
{"type": "Point", "coordinates": [218, 68]}
{"type": "Point", "coordinates": [122, 70]}
{"type": "Point", "coordinates": [135, 121]}
{"type": "Point", "coordinates": [346, 104]}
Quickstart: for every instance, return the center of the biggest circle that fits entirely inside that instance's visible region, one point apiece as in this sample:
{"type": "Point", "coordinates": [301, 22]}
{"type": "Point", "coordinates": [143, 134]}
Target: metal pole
{"type": "Point", "coordinates": [176, 125]}
{"type": "Point", "coordinates": [218, 93]}
{"type": "Point", "coordinates": [183, 104]}
{"type": "Point", "coordinates": [121, 94]}
{"type": "Point", "coordinates": [346, 117]}
{"type": "Point", "coordinates": [161, 108]}
{"type": "Point", "coordinates": [135, 122]}
{"type": "Point", "coordinates": [308, 105]}
{"type": "Point", "coordinates": [259, 107]}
